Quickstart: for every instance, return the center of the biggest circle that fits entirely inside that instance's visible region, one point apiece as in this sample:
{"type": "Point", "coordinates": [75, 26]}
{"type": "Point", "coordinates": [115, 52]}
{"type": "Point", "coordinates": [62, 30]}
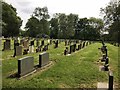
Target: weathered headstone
{"type": "Point", "coordinates": [17, 51]}
{"type": "Point", "coordinates": [31, 49]}
{"type": "Point", "coordinates": [106, 60]}
{"type": "Point", "coordinates": [25, 65]}
{"type": "Point", "coordinates": [43, 59]}
{"type": "Point", "coordinates": [7, 45]}
{"type": "Point", "coordinates": [26, 44]}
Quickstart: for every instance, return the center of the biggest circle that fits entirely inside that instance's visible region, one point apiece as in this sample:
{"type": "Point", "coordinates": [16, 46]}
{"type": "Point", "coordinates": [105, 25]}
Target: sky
{"type": "Point", "coordinates": [84, 8]}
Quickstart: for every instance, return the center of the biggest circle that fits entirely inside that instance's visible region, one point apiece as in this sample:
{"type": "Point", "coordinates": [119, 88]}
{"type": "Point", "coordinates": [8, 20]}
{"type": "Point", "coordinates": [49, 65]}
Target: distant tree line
{"type": "Point", "coordinates": [60, 25]}
{"type": "Point", "coordinates": [111, 17]}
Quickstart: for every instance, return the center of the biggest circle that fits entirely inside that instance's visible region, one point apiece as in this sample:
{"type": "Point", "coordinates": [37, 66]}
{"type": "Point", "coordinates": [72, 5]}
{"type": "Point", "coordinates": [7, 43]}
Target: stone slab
{"type": "Point", "coordinates": [25, 65]}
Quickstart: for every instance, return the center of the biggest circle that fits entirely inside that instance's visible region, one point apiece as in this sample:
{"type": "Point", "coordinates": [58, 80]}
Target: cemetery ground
{"type": "Point", "coordinates": [79, 70]}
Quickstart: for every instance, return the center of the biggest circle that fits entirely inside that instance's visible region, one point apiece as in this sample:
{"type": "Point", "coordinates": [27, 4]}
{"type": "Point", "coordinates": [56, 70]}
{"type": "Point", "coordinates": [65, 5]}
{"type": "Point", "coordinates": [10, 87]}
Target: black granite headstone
{"type": "Point", "coordinates": [110, 85]}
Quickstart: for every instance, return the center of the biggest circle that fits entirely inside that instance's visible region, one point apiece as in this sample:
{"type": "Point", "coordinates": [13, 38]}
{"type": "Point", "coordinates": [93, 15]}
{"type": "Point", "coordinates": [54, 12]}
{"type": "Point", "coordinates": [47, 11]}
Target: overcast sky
{"type": "Point", "coordinates": [84, 8]}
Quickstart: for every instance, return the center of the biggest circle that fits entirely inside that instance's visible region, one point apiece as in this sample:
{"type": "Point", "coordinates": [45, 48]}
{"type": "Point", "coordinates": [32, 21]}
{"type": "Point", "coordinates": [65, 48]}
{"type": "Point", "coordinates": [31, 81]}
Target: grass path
{"type": "Point", "coordinates": [79, 70]}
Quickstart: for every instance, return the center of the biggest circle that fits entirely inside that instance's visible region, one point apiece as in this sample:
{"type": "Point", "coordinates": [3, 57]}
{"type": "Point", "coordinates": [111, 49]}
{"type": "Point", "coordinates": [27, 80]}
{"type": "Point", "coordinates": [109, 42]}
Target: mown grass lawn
{"type": "Point", "coordinates": [79, 70]}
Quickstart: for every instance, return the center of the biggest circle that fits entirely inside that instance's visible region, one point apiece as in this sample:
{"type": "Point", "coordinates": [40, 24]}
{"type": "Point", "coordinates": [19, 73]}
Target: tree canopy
{"type": "Point", "coordinates": [11, 23]}
{"type": "Point", "coordinates": [111, 16]}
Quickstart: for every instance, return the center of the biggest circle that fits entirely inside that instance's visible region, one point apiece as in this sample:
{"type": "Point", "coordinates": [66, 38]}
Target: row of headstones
{"type": "Point", "coordinates": [75, 47]}
{"type": "Point", "coordinates": [115, 44]}
{"type": "Point", "coordinates": [106, 65]}
{"type": "Point", "coordinates": [26, 64]}
{"type": "Point", "coordinates": [27, 48]}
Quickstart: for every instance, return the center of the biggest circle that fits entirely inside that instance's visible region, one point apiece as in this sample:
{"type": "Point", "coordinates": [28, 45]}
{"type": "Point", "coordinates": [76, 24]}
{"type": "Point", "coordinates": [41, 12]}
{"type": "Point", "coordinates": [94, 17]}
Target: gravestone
{"type": "Point", "coordinates": [31, 49]}
{"type": "Point", "coordinates": [56, 44]}
{"type": "Point", "coordinates": [7, 45]}
{"type": "Point", "coordinates": [74, 47]}
{"type": "Point", "coordinates": [83, 44]}
{"type": "Point", "coordinates": [43, 59]}
{"type": "Point", "coordinates": [110, 85]}
{"type": "Point", "coordinates": [17, 51]}
{"type": "Point", "coordinates": [25, 65]}
{"type": "Point", "coordinates": [71, 48]}
{"type": "Point", "coordinates": [42, 42]}
{"type": "Point", "coordinates": [16, 44]}
{"type": "Point", "coordinates": [32, 43]}
{"type": "Point", "coordinates": [21, 42]}
{"type": "Point", "coordinates": [26, 44]}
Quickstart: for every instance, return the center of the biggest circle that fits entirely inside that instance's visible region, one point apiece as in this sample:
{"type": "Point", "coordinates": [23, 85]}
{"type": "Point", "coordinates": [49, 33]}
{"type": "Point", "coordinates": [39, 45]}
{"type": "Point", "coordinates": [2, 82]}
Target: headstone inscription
{"type": "Point", "coordinates": [25, 65]}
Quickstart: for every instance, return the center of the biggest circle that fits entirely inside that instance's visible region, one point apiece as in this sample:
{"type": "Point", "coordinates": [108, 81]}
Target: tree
{"type": "Point", "coordinates": [38, 23]}
{"type": "Point", "coordinates": [54, 27]}
{"type": "Point", "coordinates": [32, 27]}
{"type": "Point", "coordinates": [111, 17]}
{"type": "Point", "coordinates": [11, 23]}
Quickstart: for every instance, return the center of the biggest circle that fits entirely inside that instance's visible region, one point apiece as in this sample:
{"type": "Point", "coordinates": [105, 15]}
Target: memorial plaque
{"type": "Point", "coordinates": [43, 59]}
{"type": "Point", "coordinates": [25, 65]}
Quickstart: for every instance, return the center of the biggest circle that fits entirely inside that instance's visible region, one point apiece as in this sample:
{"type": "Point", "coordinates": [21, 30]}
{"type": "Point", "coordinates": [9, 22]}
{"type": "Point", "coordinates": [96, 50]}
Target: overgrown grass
{"type": "Point", "coordinates": [79, 70]}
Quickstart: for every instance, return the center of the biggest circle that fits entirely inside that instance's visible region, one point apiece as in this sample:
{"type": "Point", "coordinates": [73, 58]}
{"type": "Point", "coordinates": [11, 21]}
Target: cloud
{"type": "Point", "coordinates": [23, 4]}
{"type": "Point", "coordinates": [28, 10]}
{"type": "Point", "coordinates": [84, 8]}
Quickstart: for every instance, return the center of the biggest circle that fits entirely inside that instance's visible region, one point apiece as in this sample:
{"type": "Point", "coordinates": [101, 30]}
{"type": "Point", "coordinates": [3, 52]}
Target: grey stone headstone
{"type": "Point", "coordinates": [31, 49]}
{"type": "Point", "coordinates": [43, 59]}
{"type": "Point", "coordinates": [25, 65]}
{"type": "Point", "coordinates": [7, 45]}
{"type": "Point", "coordinates": [18, 51]}
{"type": "Point", "coordinates": [25, 44]}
